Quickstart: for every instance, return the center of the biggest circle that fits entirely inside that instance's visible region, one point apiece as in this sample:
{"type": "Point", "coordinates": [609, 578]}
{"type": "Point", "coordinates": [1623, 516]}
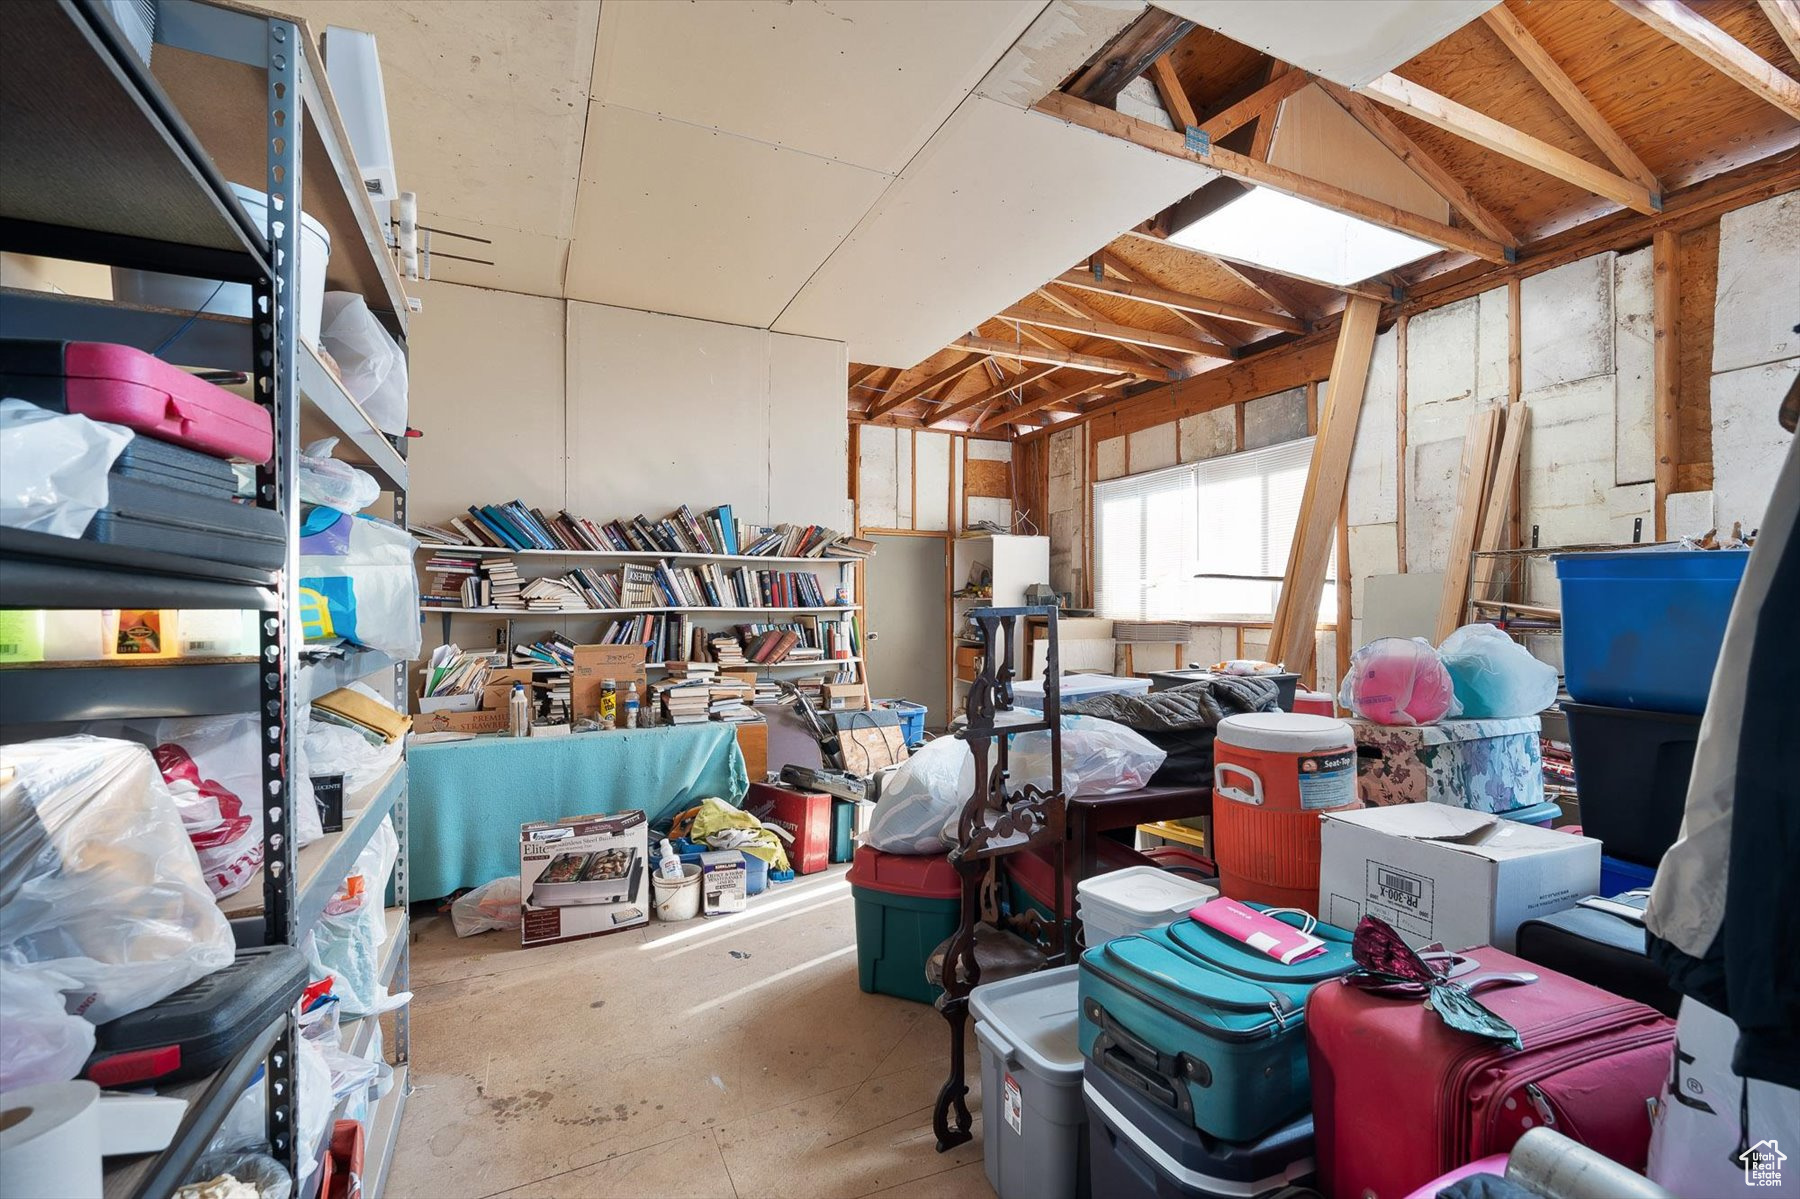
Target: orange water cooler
{"type": "Point", "coordinates": [1274, 773]}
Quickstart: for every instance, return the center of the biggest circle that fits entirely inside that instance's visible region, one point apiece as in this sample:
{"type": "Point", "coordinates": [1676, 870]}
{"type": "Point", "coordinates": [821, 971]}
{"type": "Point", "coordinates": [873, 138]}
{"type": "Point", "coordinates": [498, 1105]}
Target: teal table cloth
{"type": "Point", "coordinates": [467, 799]}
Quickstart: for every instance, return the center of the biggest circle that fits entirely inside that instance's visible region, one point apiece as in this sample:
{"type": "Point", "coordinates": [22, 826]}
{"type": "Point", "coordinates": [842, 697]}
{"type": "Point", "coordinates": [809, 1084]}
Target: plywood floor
{"type": "Point", "coordinates": [733, 1058]}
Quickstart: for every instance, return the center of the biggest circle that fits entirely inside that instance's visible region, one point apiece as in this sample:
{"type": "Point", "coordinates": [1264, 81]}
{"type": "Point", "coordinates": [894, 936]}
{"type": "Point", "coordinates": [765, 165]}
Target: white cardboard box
{"type": "Point", "coordinates": [583, 876]}
{"type": "Point", "coordinates": [724, 882]}
{"type": "Point", "coordinates": [1437, 873]}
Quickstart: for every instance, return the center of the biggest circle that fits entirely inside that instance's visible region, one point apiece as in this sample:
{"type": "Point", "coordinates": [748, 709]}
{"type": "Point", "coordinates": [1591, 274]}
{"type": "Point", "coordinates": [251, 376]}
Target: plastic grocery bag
{"type": "Point", "coordinates": [325, 480]}
{"type": "Point", "coordinates": [362, 758]}
{"type": "Point", "coordinates": [357, 582]}
{"type": "Point", "coordinates": [491, 907]}
{"type": "Point", "coordinates": [369, 361]}
{"type": "Point", "coordinates": [259, 1170]}
{"type": "Point", "coordinates": [1398, 681]}
{"type": "Point", "coordinates": [1495, 675]}
{"type": "Point", "coordinates": [348, 939]}
{"type": "Point", "coordinates": [53, 467]}
{"type": "Point", "coordinates": [39, 1040]}
{"type": "Point", "coordinates": [98, 880]}
{"type": "Point", "coordinates": [923, 800]}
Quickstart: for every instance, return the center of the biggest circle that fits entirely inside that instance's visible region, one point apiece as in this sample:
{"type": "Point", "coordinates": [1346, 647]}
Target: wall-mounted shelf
{"type": "Point", "coordinates": [641, 556]}
{"type": "Point", "coordinates": [550, 614]}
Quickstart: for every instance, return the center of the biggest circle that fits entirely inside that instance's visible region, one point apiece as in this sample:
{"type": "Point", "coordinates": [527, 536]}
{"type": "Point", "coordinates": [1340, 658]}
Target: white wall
{"type": "Point", "coordinates": [912, 479]}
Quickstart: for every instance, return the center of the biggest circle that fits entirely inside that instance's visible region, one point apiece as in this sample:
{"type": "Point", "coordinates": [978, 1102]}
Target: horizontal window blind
{"type": "Point", "coordinates": [1205, 541]}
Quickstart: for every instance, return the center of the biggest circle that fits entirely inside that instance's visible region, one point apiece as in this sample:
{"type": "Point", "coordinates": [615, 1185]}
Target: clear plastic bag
{"type": "Point", "coordinates": [98, 879]}
{"type": "Point", "coordinates": [1494, 675]}
{"type": "Point", "coordinates": [259, 1170]}
{"type": "Point", "coordinates": [369, 361]}
{"type": "Point", "coordinates": [325, 480]}
{"type": "Point", "coordinates": [491, 907]}
{"type": "Point", "coordinates": [923, 800]}
{"type": "Point", "coordinates": [53, 468]}
{"type": "Point", "coordinates": [39, 1040]}
{"type": "Point", "coordinates": [349, 937]}
{"type": "Point", "coordinates": [358, 583]}
{"type": "Point", "coordinates": [1398, 681]}
{"type": "Point", "coordinates": [338, 749]}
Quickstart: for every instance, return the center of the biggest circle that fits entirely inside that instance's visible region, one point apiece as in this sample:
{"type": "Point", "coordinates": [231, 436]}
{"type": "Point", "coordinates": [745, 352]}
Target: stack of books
{"type": "Point", "coordinates": [551, 595]}
{"type": "Point", "coordinates": [682, 671]}
{"type": "Point", "coordinates": [767, 692]}
{"type": "Point", "coordinates": [685, 702]}
{"type": "Point", "coordinates": [726, 650]}
{"type": "Point", "coordinates": [449, 570]}
{"type": "Point", "coordinates": [504, 589]}
{"type": "Point", "coordinates": [551, 650]}
{"type": "Point", "coordinates": [729, 701]}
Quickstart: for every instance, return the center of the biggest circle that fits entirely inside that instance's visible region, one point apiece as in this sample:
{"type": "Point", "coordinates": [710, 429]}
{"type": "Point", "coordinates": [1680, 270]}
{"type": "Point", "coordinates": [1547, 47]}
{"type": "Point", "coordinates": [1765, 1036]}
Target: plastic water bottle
{"type": "Point", "coordinates": [631, 706]}
{"type": "Point", "coordinates": [518, 712]}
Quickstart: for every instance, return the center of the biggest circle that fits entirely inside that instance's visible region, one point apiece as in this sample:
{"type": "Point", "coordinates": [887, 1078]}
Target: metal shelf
{"type": "Point", "coordinates": [551, 614]}
{"type": "Point", "coordinates": [325, 863]}
{"type": "Point", "coordinates": [383, 1133]}
{"type": "Point", "coordinates": [324, 675]}
{"type": "Point", "coordinates": [329, 410]}
{"type": "Point", "coordinates": [156, 1175]}
{"type": "Point", "coordinates": [38, 570]}
{"type": "Point", "coordinates": [118, 689]}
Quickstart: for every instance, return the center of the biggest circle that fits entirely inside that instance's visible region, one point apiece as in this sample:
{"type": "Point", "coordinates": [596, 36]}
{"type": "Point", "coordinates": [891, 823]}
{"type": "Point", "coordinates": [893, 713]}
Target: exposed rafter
{"type": "Point", "coordinates": [999, 391]}
{"type": "Point", "coordinates": [937, 379]}
{"type": "Point", "coordinates": [1057, 357]}
{"type": "Point", "coordinates": [1174, 96]}
{"type": "Point", "coordinates": [1568, 97]}
{"type": "Point", "coordinates": [1130, 54]}
{"type": "Point", "coordinates": [1785, 16]}
{"type": "Point", "coordinates": [1162, 297]}
{"type": "Point", "coordinates": [1263, 138]}
{"type": "Point", "coordinates": [1230, 335]}
{"type": "Point", "coordinates": [1242, 167]}
{"type": "Point", "coordinates": [1061, 395]}
{"type": "Point", "coordinates": [1269, 287]}
{"type": "Point", "coordinates": [861, 375]}
{"type": "Point", "coordinates": [1076, 307]}
{"type": "Point", "coordinates": [1124, 334]}
{"type": "Point", "coordinates": [1426, 105]}
{"type": "Point", "coordinates": [1368, 114]}
{"type": "Point", "coordinates": [1718, 50]}
{"type": "Point", "coordinates": [1236, 116]}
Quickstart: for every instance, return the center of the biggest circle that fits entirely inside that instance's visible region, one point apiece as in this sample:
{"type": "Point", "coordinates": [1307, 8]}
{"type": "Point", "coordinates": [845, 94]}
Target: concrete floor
{"type": "Point", "coordinates": [732, 1058]}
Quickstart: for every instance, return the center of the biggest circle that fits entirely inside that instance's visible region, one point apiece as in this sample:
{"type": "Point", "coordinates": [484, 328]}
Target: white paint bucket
{"type": "Point", "coordinates": [678, 900]}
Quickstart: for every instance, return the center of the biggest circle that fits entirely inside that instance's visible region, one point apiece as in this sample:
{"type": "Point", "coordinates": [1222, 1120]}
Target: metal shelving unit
{"type": "Point", "coordinates": [120, 162]}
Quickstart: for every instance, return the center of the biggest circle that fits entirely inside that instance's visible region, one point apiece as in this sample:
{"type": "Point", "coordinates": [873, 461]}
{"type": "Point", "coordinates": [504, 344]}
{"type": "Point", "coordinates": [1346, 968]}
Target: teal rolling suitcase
{"type": "Point", "coordinates": [1206, 1026]}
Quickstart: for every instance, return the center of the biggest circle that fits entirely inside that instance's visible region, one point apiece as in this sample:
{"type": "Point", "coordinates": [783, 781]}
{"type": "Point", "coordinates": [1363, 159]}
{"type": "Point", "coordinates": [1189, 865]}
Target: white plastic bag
{"type": "Point", "coordinates": [1494, 675]}
{"type": "Point", "coordinates": [371, 364]}
{"type": "Point", "coordinates": [98, 880]}
{"type": "Point", "coordinates": [325, 480]}
{"type": "Point", "coordinates": [348, 939]}
{"type": "Point", "coordinates": [922, 802]}
{"type": "Point", "coordinates": [53, 468]}
{"type": "Point", "coordinates": [491, 907]}
{"type": "Point", "coordinates": [357, 582]}
{"type": "Point", "coordinates": [39, 1040]}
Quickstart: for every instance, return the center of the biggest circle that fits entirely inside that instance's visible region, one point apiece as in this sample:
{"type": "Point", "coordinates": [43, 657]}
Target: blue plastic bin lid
{"type": "Point", "coordinates": [1652, 564]}
{"type": "Point", "coordinates": [1036, 1014]}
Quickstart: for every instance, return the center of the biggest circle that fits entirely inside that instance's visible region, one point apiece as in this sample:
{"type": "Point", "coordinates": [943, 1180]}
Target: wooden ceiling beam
{"type": "Point", "coordinates": [1225, 332]}
{"type": "Point", "coordinates": [1162, 297]}
{"type": "Point", "coordinates": [1263, 138]}
{"type": "Point", "coordinates": [999, 391]}
{"type": "Point", "coordinates": [1129, 55]}
{"type": "Point", "coordinates": [1058, 396]}
{"type": "Point", "coordinates": [1785, 16]}
{"type": "Point", "coordinates": [1234, 117]}
{"type": "Point", "coordinates": [1174, 96]}
{"type": "Point", "coordinates": [1568, 97]}
{"type": "Point", "coordinates": [937, 379]}
{"type": "Point", "coordinates": [861, 375]}
{"type": "Point", "coordinates": [1075, 307]}
{"type": "Point", "coordinates": [1426, 105]}
{"type": "Point", "coordinates": [1718, 50]}
{"type": "Point", "coordinates": [1269, 287]}
{"type": "Point", "coordinates": [1368, 114]}
{"type": "Point", "coordinates": [1111, 331]}
{"type": "Point", "coordinates": [1062, 356]}
{"type": "Point", "coordinates": [1242, 167]}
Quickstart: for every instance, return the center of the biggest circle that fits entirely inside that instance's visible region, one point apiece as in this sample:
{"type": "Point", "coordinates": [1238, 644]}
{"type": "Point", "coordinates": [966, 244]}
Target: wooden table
{"type": "Point", "coordinates": [1091, 815]}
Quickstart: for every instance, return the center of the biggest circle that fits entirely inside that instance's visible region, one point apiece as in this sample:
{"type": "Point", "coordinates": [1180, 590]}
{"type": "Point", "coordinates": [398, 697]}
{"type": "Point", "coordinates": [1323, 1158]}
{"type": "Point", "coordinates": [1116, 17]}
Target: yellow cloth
{"type": "Point", "coordinates": [715, 815]}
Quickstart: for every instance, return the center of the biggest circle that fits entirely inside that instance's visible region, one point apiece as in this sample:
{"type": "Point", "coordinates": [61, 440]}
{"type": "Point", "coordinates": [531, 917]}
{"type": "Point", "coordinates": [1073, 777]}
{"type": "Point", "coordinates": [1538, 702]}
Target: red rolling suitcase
{"type": "Point", "coordinates": [1399, 1097]}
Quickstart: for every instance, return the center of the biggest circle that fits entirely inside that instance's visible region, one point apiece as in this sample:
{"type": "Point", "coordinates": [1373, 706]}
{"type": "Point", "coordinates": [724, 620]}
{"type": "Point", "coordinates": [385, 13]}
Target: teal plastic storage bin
{"type": "Point", "coordinates": [1642, 628]}
{"type": "Point", "coordinates": [843, 829]}
{"type": "Point", "coordinates": [905, 908]}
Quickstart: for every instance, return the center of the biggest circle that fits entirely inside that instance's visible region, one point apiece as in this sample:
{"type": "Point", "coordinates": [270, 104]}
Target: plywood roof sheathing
{"type": "Point", "coordinates": [1025, 353]}
{"type": "Point", "coordinates": [1719, 50]}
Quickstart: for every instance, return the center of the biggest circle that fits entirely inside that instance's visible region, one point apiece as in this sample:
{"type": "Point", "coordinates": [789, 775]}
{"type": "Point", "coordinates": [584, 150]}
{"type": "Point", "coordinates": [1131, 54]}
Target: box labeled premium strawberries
{"type": "Point", "coordinates": [583, 876]}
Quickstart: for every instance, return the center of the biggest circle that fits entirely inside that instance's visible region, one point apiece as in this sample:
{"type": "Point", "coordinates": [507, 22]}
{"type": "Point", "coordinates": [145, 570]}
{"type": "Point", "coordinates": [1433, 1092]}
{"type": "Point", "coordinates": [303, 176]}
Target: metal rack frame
{"type": "Point", "coordinates": [102, 168]}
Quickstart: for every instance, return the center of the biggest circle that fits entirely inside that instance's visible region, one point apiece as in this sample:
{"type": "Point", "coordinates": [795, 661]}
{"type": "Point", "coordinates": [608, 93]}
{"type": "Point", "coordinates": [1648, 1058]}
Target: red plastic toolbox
{"type": "Point", "coordinates": [128, 387]}
{"type": "Point", "coordinates": [1399, 1097]}
{"type": "Point", "coordinates": [807, 814]}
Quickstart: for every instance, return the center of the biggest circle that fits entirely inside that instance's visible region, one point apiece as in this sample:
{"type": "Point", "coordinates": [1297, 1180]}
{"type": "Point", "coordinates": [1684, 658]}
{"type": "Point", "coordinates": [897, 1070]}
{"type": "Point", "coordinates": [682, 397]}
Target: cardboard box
{"type": "Point", "coordinates": [596, 663]}
{"type": "Point", "coordinates": [493, 720]}
{"type": "Point", "coordinates": [497, 691]}
{"type": "Point", "coordinates": [467, 702]}
{"type": "Point", "coordinates": [724, 883]}
{"type": "Point", "coordinates": [584, 876]}
{"type": "Point", "coordinates": [1438, 873]}
{"type": "Point", "coordinates": [845, 697]}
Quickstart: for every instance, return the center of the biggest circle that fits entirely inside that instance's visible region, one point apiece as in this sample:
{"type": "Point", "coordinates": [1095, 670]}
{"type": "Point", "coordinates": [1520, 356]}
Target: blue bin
{"type": "Point", "coordinates": [1540, 814]}
{"type": "Point", "coordinates": [912, 719]}
{"type": "Point", "coordinates": [1618, 876]}
{"type": "Point", "coordinates": [1642, 628]}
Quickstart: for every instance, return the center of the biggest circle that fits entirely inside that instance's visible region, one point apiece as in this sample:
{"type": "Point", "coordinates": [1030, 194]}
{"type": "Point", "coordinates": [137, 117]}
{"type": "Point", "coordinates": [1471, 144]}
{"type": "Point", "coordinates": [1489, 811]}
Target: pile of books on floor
{"type": "Point", "coordinates": [516, 526]}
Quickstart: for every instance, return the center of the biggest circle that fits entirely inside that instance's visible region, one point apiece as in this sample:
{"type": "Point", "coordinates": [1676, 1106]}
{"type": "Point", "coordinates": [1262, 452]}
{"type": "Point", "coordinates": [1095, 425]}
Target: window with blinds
{"type": "Point", "coordinates": [1204, 541]}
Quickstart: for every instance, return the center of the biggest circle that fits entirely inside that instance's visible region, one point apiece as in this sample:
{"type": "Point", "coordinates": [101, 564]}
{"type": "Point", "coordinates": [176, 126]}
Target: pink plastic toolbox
{"type": "Point", "coordinates": [132, 388]}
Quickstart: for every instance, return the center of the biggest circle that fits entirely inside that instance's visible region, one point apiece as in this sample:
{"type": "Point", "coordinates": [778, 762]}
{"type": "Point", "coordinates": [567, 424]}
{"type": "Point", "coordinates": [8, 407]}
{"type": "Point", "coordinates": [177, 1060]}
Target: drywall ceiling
{"type": "Point", "coordinates": [1347, 41]}
{"type": "Point", "coordinates": [1000, 200]}
{"type": "Point", "coordinates": [486, 104]}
